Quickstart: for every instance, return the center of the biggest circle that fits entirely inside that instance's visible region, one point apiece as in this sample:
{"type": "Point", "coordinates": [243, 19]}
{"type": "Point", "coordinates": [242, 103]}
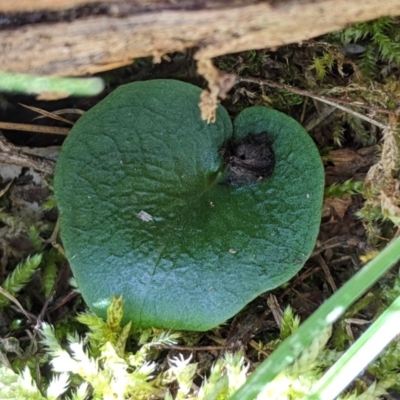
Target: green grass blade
{"type": "Point", "coordinates": [62, 87]}
{"type": "Point", "coordinates": [363, 351]}
{"type": "Point", "coordinates": [326, 314]}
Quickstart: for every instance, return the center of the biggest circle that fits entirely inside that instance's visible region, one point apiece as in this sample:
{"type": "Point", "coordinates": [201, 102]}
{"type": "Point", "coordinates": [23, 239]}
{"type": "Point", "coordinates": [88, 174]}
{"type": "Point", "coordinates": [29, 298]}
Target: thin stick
{"type": "Point", "coordinates": [5, 189]}
{"type": "Point", "coordinates": [195, 348]}
{"type": "Point", "coordinates": [10, 297]}
{"type": "Point", "coordinates": [50, 130]}
{"type": "Point", "coordinates": [53, 239]}
{"type": "Point", "coordinates": [47, 114]}
{"type": "Point", "coordinates": [331, 101]}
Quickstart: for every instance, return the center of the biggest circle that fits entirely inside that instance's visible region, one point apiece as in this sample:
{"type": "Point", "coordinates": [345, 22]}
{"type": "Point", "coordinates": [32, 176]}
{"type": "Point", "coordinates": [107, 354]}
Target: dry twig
{"type": "Point", "coordinates": [324, 99]}
{"type": "Point", "coordinates": [10, 154]}
{"type": "Point", "coordinates": [47, 114]}
{"type": "Point", "coordinates": [49, 130]}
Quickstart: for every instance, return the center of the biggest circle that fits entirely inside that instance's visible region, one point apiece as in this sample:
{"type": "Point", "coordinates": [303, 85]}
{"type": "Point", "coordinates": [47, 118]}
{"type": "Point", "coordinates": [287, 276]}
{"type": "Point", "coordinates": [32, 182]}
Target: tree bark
{"type": "Point", "coordinates": [8, 6]}
{"type": "Point", "coordinates": [129, 30]}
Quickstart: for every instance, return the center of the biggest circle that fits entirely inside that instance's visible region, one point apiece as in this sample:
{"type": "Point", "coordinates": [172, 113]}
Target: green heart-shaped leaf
{"type": "Point", "coordinates": [143, 212]}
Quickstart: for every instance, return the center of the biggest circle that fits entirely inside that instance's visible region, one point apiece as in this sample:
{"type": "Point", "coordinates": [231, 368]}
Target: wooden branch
{"type": "Point", "coordinates": [87, 46]}
{"type": "Point", "coordinates": [10, 154]}
{"type": "Point", "coordinates": [29, 5]}
{"type": "Point", "coordinates": [12, 6]}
